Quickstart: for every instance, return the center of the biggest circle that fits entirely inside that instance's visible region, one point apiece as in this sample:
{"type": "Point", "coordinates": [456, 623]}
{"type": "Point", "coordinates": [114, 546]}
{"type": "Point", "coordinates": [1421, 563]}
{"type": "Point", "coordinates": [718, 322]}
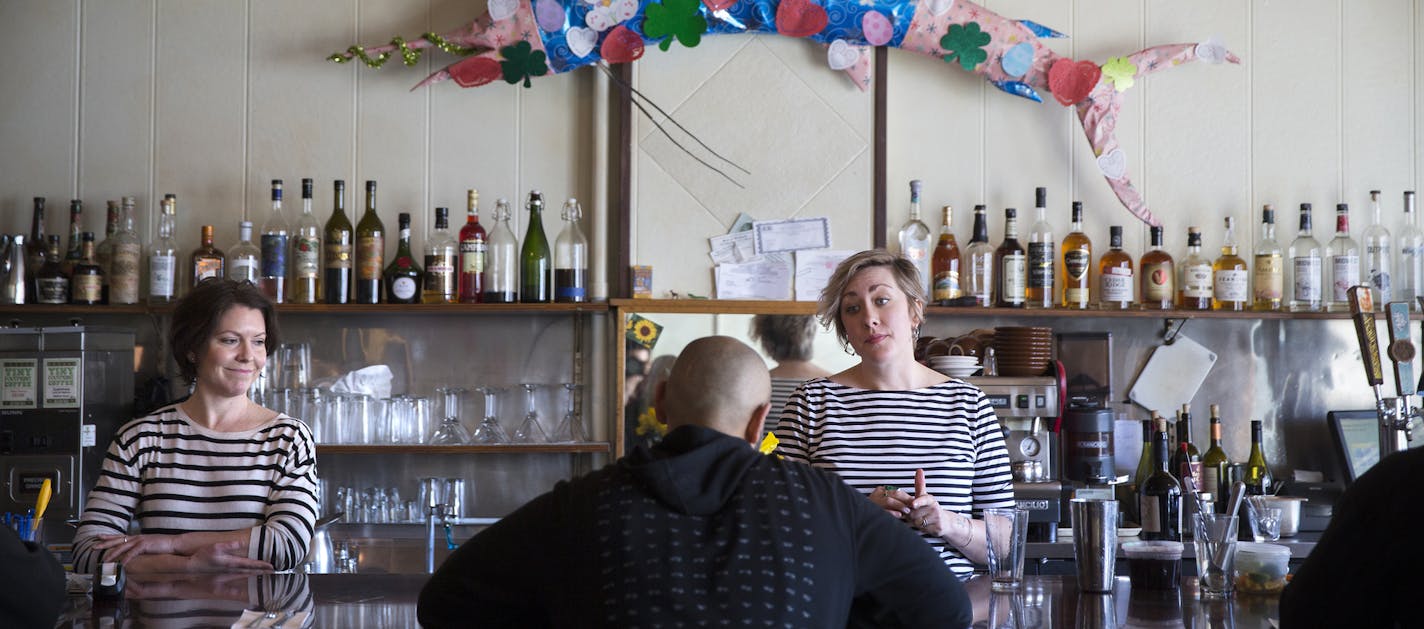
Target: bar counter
{"type": "Point", "coordinates": [389, 600]}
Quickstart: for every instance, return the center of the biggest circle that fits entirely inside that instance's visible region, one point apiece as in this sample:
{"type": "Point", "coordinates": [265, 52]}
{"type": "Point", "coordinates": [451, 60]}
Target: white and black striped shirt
{"type": "Point", "coordinates": [873, 438]}
{"type": "Point", "coordinates": [781, 390]}
{"type": "Point", "coordinates": [175, 476]}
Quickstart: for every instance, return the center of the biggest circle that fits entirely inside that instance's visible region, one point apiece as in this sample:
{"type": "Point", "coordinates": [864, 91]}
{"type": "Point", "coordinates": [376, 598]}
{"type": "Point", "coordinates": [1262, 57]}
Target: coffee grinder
{"type": "Point", "coordinates": [1027, 409]}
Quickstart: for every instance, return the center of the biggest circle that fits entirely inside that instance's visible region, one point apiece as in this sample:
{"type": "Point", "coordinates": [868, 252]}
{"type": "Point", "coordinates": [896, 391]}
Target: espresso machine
{"type": "Point", "coordinates": [63, 393]}
{"type": "Point", "coordinates": [1028, 410]}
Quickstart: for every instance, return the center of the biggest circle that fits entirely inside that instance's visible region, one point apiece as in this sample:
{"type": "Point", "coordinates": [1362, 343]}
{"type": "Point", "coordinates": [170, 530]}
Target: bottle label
{"type": "Point", "coordinates": [1380, 282]}
{"type": "Point", "coordinates": [160, 276]}
{"type": "Point", "coordinates": [1116, 285]}
{"type": "Point", "coordinates": [1075, 265]}
{"type": "Point", "coordinates": [204, 268]}
{"type": "Point", "coordinates": [1345, 272]}
{"type": "Point", "coordinates": [946, 286]}
{"type": "Point", "coordinates": [338, 255]}
{"type": "Point", "coordinates": [53, 290]}
{"type": "Point", "coordinates": [1307, 279]}
{"type": "Point", "coordinates": [1151, 517]}
{"type": "Point", "coordinates": [1232, 285]}
{"type": "Point", "coordinates": [88, 289]}
{"type": "Point", "coordinates": [403, 288]}
{"type": "Point", "coordinates": [472, 256]}
{"type": "Point", "coordinates": [1270, 278]}
{"type": "Point", "coordinates": [274, 255]}
{"type": "Point", "coordinates": [1196, 281]}
{"type": "Point", "coordinates": [306, 257]}
{"type": "Point", "coordinates": [1192, 470]}
{"type": "Point", "coordinates": [1211, 481]}
{"type": "Point", "coordinates": [370, 257]}
{"type": "Point", "coordinates": [1040, 265]}
{"type": "Point", "coordinates": [440, 275]}
{"type": "Point", "coordinates": [1076, 296]}
{"type": "Point", "coordinates": [1015, 278]}
{"type": "Point", "coordinates": [1158, 284]}
{"type": "Point", "coordinates": [243, 270]}
{"type": "Point", "coordinates": [123, 279]}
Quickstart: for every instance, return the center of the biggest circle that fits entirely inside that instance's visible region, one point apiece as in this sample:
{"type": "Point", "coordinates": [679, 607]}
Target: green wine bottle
{"type": "Point", "coordinates": [339, 250]}
{"type": "Point", "coordinates": [535, 264]}
{"type": "Point", "coordinates": [370, 251]}
{"type": "Point", "coordinates": [1215, 463]}
{"type": "Point", "coordinates": [1144, 467]}
{"type": "Point", "coordinates": [403, 274]}
{"type": "Point", "coordinates": [1257, 475]}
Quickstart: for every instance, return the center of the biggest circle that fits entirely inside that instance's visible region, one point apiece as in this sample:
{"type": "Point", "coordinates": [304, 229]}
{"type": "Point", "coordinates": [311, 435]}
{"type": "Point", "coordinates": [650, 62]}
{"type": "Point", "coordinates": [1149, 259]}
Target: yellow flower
{"type": "Point", "coordinates": [648, 425]}
{"type": "Point", "coordinates": [1120, 72]}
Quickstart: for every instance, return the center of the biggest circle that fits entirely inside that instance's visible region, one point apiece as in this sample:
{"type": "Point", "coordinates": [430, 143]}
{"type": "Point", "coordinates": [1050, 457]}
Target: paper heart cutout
{"type": "Point", "coordinates": [877, 28]}
{"type": "Point", "coordinates": [475, 71]}
{"type": "Point", "coordinates": [1072, 81]}
{"type": "Point", "coordinates": [1113, 164]}
{"type": "Point", "coordinates": [718, 5]}
{"type": "Point", "coordinates": [1017, 60]}
{"type": "Point", "coordinates": [503, 9]}
{"type": "Point", "coordinates": [621, 45]}
{"type": "Point", "coordinates": [549, 15]}
{"type": "Point", "coordinates": [841, 55]}
{"type": "Point", "coordinates": [940, 7]}
{"type": "Point", "coordinates": [800, 18]}
{"type": "Point", "coordinates": [582, 40]}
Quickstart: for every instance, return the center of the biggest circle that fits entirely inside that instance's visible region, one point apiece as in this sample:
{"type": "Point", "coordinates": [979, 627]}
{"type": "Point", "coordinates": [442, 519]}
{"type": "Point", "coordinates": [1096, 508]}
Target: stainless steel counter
{"type": "Point", "coordinates": [1300, 547]}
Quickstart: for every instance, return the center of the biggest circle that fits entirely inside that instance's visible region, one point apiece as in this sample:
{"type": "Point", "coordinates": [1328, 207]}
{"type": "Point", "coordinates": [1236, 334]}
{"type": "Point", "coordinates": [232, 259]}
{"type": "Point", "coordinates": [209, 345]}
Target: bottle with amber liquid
{"type": "Point", "coordinates": [1230, 282]}
{"type": "Point", "coordinates": [339, 250]}
{"type": "Point", "coordinates": [441, 256]}
{"type": "Point", "coordinates": [979, 261]}
{"type": "Point", "coordinates": [1042, 255]}
{"type": "Point", "coordinates": [306, 253]}
{"type": "Point", "coordinates": [944, 263]}
{"type": "Point", "coordinates": [402, 277]}
{"type": "Point", "coordinates": [1269, 280]}
{"type": "Point", "coordinates": [1214, 462]}
{"type": "Point", "coordinates": [1011, 262]}
{"type": "Point", "coordinates": [104, 251]}
{"type": "Point", "coordinates": [535, 262]}
{"type": "Point", "coordinates": [51, 282]}
{"type": "Point", "coordinates": [125, 259]}
{"type": "Point", "coordinates": [206, 261]}
{"type": "Point", "coordinates": [1187, 459]}
{"type": "Point", "coordinates": [474, 247]}
{"type": "Point", "coordinates": [370, 251]}
{"type": "Point", "coordinates": [1115, 281]}
{"type": "Point", "coordinates": [86, 286]}
{"type": "Point", "coordinates": [1077, 259]}
{"type": "Point", "coordinates": [1194, 278]}
{"type": "Point", "coordinates": [1160, 498]}
{"type": "Point", "coordinates": [1159, 291]}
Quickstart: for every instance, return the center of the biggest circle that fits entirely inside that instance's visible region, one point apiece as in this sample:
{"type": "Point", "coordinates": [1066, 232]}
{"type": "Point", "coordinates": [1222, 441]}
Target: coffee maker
{"type": "Point", "coordinates": [1028, 410]}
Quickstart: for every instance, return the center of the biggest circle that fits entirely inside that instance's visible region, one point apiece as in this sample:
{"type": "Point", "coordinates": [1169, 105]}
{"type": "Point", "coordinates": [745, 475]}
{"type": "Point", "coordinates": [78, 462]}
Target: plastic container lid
{"type": "Point", "coordinates": [1268, 551]}
{"type": "Point", "coordinates": [1162, 550]}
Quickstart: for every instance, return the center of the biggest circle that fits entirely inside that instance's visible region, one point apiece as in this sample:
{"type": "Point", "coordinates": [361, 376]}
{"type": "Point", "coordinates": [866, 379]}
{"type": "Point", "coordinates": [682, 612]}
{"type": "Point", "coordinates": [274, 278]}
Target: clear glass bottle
{"type": "Point", "coordinates": [944, 264]}
{"type": "Point", "coordinates": [75, 252]}
{"type": "Point", "coordinates": [207, 260]}
{"type": "Point", "coordinates": [126, 259]}
{"type": "Point", "coordinates": [403, 274]}
{"type": "Point", "coordinates": [473, 251]}
{"type": "Point", "coordinates": [1269, 268]}
{"type": "Point", "coordinates": [306, 252]}
{"type": "Point", "coordinates": [86, 284]}
{"type": "Point", "coordinates": [163, 256]}
{"type": "Point", "coordinates": [1158, 275]}
{"type": "Point", "coordinates": [1305, 267]}
{"type": "Point", "coordinates": [1042, 255]}
{"type": "Point", "coordinates": [441, 256]}
{"type": "Point", "coordinates": [1230, 281]}
{"type": "Point", "coordinates": [915, 238]}
{"type": "Point", "coordinates": [1409, 276]}
{"type": "Point", "coordinates": [571, 257]}
{"type": "Point", "coordinates": [1011, 263]}
{"type": "Point", "coordinates": [244, 258]}
{"type": "Point", "coordinates": [51, 282]}
{"type": "Point", "coordinates": [339, 250]}
{"type": "Point", "coordinates": [502, 270]}
{"type": "Point", "coordinates": [979, 260]}
{"type": "Point", "coordinates": [1115, 277]}
{"type": "Point", "coordinates": [12, 290]}
{"type": "Point", "coordinates": [104, 251]}
{"type": "Point", "coordinates": [535, 263]}
{"type": "Point", "coordinates": [1378, 263]}
{"type": "Point", "coordinates": [1077, 259]}
{"type": "Point", "coordinates": [274, 249]}
{"type": "Point", "coordinates": [1343, 265]}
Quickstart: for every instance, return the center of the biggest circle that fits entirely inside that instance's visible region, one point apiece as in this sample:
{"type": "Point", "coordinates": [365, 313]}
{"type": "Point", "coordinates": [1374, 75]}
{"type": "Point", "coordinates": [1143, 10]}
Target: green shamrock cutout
{"type": "Point", "coordinates": [679, 18]}
{"type": "Point", "coordinates": [1120, 71]}
{"type": "Point", "coordinates": [521, 61]}
{"type": "Point", "coordinates": [965, 42]}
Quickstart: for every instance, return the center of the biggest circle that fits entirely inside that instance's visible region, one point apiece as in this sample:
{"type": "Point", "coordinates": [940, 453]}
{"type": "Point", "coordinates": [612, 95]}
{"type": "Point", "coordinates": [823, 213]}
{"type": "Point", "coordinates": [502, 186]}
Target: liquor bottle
{"type": "Point", "coordinates": [126, 261]}
{"type": "Point", "coordinates": [86, 285]}
{"type": "Point", "coordinates": [944, 264]}
{"type": "Point", "coordinates": [244, 259]}
{"type": "Point", "coordinates": [1159, 277]}
{"type": "Point", "coordinates": [1342, 267]}
{"type": "Point", "coordinates": [1011, 264]}
{"type": "Point", "coordinates": [1187, 460]}
{"type": "Point", "coordinates": [979, 260]}
{"type": "Point", "coordinates": [1257, 475]}
{"type": "Point", "coordinates": [163, 256]}
{"type": "Point", "coordinates": [207, 260]}
{"type": "Point", "coordinates": [51, 282]}
{"type": "Point", "coordinates": [12, 288]}
{"type": "Point", "coordinates": [534, 263]}
{"type": "Point", "coordinates": [1077, 259]}
{"type": "Point", "coordinates": [274, 249]}
{"type": "Point", "coordinates": [441, 256]}
{"type": "Point", "coordinates": [1144, 466]}
{"type": "Point", "coordinates": [1042, 255]}
{"type": "Point", "coordinates": [104, 251]}
{"type": "Point", "coordinates": [571, 257]}
{"type": "Point", "coordinates": [1269, 268]}
{"type": "Point", "coordinates": [403, 274]}
{"type": "Point", "coordinates": [473, 250]}
{"type": "Point", "coordinates": [339, 250]}
{"type": "Point", "coordinates": [1230, 284]}
{"type": "Point", "coordinates": [915, 238]}
{"type": "Point", "coordinates": [1194, 283]}
{"type": "Point", "coordinates": [370, 251]}
{"type": "Point", "coordinates": [1161, 495]}
{"type": "Point", "coordinates": [1305, 267]}
{"type": "Point", "coordinates": [75, 252]}
{"type": "Point", "coordinates": [306, 253]}
{"type": "Point", "coordinates": [1115, 281]}
{"type": "Point", "coordinates": [1214, 463]}
{"type": "Point", "coordinates": [1409, 276]}
{"type": "Point", "coordinates": [501, 279]}
{"type": "Point", "coordinates": [1379, 257]}
{"type": "Point", "coordinates": [35, 249]}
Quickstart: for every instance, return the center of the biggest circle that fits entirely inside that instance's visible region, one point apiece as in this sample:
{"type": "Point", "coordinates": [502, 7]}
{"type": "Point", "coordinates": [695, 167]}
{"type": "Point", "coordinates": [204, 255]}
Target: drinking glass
{"type": "Point", "coordinates": [1215, 539]}
{"type": "Point", "coordinates": [489, 431]}
{"type": "Point", "coordinates": [1007, 532]}
{"type": "Point", "coordinates": [571, 428]}
{"type": "Point", "coordinates": [530, 431]}
{"type": "Point", "coordinates": [450, 433]}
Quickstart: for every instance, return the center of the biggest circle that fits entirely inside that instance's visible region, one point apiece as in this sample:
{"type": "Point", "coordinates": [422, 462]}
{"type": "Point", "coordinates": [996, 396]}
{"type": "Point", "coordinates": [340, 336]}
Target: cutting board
{"type": "Point", "coordinates": [1172, 376]}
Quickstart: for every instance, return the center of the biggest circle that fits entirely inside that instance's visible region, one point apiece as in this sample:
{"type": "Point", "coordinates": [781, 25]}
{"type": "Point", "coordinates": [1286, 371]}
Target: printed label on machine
{"type": "Point", "coordinates": [88, 435]}
{"type": "Point", "coordinates": [17, 383]}
{"type": "Point", "coordinates": [61, 386]}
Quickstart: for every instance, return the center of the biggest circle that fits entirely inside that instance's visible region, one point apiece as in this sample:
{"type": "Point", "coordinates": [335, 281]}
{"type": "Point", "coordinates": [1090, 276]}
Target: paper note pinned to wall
{"type": "Point", "coordinates": [813, 269]}
{"type": "Point", "coordinates": [768, 277]}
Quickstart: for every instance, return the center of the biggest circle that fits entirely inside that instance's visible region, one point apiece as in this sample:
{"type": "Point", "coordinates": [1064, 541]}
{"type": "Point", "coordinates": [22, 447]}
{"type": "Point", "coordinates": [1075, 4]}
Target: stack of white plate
{"type": "Point", "coordinates": [956, 366]}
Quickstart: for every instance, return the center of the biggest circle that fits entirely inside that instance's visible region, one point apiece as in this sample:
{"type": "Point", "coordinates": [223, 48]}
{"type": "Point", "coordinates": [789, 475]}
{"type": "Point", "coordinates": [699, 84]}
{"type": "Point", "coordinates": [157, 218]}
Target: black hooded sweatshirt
{"type": "Point", "coordinates": [700, 529]}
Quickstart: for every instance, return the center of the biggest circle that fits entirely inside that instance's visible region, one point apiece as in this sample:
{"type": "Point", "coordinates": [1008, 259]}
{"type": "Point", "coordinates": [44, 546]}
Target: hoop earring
{"type": "Point", "coordinates": [845, 345]}
{"type": "Point", "coordinates": [917, 333]}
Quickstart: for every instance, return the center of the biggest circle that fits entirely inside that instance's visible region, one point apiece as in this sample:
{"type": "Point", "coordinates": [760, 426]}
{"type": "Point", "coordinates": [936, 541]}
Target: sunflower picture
{"type": "Point", "coordinates": [642, 331]}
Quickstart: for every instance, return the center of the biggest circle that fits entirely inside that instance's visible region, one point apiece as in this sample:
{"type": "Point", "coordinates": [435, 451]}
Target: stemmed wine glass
{"type": "Point", "coordinates": [571, 426]}
{"type": "Point", "coordinates": [489, 431]}
{"type": "Point", "coordinates": [530, 431]}
{"type": "Point", "coordinates": [451, 432]}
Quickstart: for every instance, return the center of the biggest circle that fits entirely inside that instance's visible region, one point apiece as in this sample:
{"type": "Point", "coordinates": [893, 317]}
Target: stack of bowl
{"type": "Point", "coordinates": [955, 366]}
{"type": "Point", "coordinates": [1023, 351]}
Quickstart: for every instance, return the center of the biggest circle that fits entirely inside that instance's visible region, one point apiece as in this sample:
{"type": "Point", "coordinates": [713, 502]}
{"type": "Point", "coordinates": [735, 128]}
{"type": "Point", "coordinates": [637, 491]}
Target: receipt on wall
{"type": "Point", "coordinates": [734, 247]}
{"type": "Point", "coordinates": [792, 234]}
{"type": "Point", "coordinates": [768, 277]}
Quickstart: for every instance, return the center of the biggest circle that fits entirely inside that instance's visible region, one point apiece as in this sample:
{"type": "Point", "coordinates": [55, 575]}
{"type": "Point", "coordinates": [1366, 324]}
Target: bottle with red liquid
{"type": "Point", "coordinates": [473, 249]}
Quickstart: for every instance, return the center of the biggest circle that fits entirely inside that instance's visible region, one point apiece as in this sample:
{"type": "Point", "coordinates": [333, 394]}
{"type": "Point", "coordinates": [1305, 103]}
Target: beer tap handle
{"type": "Point", "coordinates": [1362, 308]}
{"type": "Point", "coordinates": [1401, 349]}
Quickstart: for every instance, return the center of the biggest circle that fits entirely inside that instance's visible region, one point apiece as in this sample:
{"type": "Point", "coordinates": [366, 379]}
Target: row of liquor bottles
{"type": "Point", "coordinates": [1166, 474]}
{"type": "Point", "coordinates": [306, 262]}
{"type": "Point", "coordinates": [1048, 273]}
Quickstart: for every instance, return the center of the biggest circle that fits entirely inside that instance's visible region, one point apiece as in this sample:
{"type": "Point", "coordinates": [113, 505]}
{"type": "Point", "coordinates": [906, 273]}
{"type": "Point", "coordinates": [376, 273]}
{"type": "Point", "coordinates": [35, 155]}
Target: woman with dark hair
{"type": "Point", "coordinates": [789, 340]}
{"type": "Point", "coordinates": [217, 482]}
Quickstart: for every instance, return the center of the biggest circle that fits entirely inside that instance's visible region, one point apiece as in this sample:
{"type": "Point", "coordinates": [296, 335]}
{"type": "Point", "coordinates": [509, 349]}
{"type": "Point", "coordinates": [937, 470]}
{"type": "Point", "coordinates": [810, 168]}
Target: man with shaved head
{"type": "Point", "coordinates": [698, 529]}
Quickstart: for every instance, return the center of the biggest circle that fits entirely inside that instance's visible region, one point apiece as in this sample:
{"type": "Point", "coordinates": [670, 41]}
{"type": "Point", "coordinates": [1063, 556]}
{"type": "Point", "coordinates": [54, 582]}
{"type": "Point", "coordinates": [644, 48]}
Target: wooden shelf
{"type": "Point", "coordinates": [65, 309]}
{"type": "Point", "coordinates": [715, 306]}
{"type": "Point", "coordinates": [382, 309]}
{"type": "Point", "coordinates": [718, 306]}
{"type": "Point", "coordinates": [511, 448]}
